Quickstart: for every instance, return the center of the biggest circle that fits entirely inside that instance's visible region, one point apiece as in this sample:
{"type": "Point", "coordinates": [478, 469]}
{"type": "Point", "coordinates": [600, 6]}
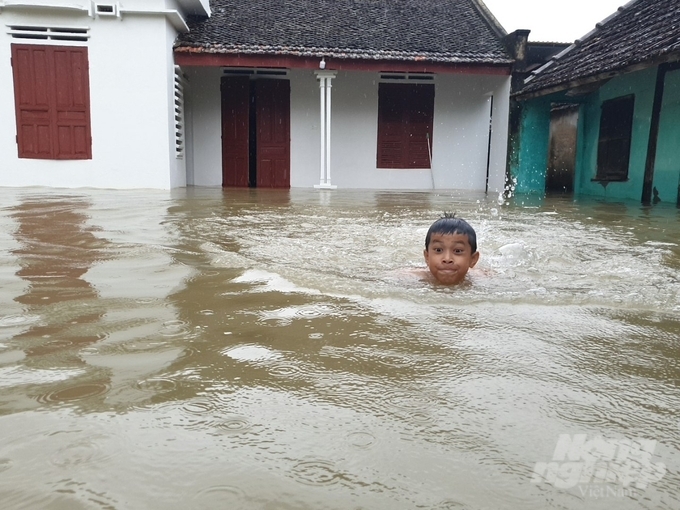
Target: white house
{"type": "Point", "coordinates": [89, 92]}
{"type": "Point", "coordinates": [391, 94]}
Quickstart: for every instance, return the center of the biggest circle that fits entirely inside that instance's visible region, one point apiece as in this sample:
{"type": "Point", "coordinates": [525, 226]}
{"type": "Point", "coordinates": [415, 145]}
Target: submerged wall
{"type": "Point", "coordinates": [667, 166]}
{"type": "Point", "coordinates": [642, 85]}
{"type": "Point", "coordinates": [131, 77]}
{"type": "Point", "coordinates": [529, 163]}
{"type": "Point", "coordinates": [460, 139]}
{"type": "Point", "coordinates": [530, 157]}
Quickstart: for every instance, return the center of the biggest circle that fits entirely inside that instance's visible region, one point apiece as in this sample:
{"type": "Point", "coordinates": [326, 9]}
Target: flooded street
{"type": "Point", "coordinates": [258, 349]}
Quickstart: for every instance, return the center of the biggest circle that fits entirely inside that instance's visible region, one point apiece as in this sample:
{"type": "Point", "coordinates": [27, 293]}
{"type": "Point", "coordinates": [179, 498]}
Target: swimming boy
{"type": "Point", "coordinates": [450, 250]}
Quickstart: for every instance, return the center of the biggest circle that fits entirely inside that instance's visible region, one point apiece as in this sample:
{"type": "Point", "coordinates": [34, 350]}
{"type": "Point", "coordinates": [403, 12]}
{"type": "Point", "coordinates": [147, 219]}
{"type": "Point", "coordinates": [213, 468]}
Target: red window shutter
{"type": "Point", "coordinates": [72, 103]}
{"type": "Point", "coordinates": [405, 120]}
{"type": "Point", "coordinates": [52, 98]}
{"type": "Point", "coordinates": [391, 148]}
{"type": "Point", "coordinates": [419, 119]}
{"type": "Point", "coordinates": [32, 100]}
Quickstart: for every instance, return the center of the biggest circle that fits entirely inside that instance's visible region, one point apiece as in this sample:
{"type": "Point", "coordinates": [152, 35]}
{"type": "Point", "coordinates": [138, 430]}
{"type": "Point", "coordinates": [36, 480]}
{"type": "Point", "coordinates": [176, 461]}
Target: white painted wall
{"type": "Point", "coordinates": [131, 97]}
{"type": "Point", "coordinates": [460, 138]}
{"type": "Point", "coordinates": [205, 123]}
{"type": "Point", "coordinates": [461, 132]}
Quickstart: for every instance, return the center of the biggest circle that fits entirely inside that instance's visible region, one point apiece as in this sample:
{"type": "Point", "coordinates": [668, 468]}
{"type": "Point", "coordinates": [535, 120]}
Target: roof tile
{"type": "Point", "coordinates": [453, 31]}
{"type": "Point", "coordinates": [643, 31]}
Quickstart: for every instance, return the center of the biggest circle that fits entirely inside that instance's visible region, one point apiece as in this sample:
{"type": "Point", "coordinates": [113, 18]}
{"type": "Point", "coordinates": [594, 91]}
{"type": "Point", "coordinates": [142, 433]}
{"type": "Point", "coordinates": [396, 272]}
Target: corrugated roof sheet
{"type": "Point", "coordinates": [643, 30]}
{"type": "Point", "coordinates": [453, 31]}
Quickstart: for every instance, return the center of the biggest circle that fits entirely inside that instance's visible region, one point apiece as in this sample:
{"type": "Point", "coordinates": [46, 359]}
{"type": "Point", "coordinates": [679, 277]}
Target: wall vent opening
{"type": "Point", "coordinates": [49, 33]}
{"type": "Point", "coordinates": [412, 77]}
{"type": "Point", "coordinates": [255, 72]}
{"type": "Point", "coordinates": [107, 9]}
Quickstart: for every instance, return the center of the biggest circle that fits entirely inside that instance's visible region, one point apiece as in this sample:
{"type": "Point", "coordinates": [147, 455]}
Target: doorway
{"type": "Point", "coordinates": [562, 155]}
{"type": "Point", "coordinates": [255, 132]}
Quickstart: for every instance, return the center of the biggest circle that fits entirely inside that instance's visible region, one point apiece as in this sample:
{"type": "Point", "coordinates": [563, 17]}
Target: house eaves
{"type": "Point", "coordinates": [441, 31]}
{"type": "Point", "coordinates": [641, 34]}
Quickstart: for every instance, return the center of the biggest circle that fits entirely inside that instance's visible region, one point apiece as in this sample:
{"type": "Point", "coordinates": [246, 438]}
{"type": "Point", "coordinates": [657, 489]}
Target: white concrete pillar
{"type": "Point", "coordinates": [325, 86]}
{"type": "Point", "coordinates": [322, 129]}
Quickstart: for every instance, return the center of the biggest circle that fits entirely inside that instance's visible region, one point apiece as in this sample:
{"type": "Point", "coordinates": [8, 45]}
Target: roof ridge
{"type": "Point", "coordinates": [490, 19]}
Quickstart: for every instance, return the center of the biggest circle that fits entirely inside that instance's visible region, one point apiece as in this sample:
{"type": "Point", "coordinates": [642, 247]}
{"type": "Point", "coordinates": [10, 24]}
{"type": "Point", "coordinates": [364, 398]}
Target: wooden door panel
{"type": "Point", "coordinates": [235, 130]}
{"type": "Point", "coordinates": [273, 133]}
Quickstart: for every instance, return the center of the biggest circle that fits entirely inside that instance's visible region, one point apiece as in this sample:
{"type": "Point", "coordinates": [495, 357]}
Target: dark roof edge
{"type": "Point", "coordinates": [346, 54]}
{"type": "Point", "coordinates": [490, 19]}
{"type": "Point", "coordinates": [640, 66]}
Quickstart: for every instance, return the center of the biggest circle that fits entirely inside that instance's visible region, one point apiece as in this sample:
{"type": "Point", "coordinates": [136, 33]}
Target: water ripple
{"type": "Point", "coordinates": [80, 453]}
{"type": "Point", "coordinates": [318, 473]}
{"type": "Point", "coordinates": [407, 401]}
{"type": "Point", "coordinates": [285, 370]}
{"type": "Point", "coordinates": [74, 393]}
{"type": "Point", "coordinates": [222, 496]}
{"type": "Point", "coordinates": [361, 439]}
{"type": "Point", "coordinates": [157, 384]}
{"type": "Point", "coordinates": [9, 321]}
{"type": "Point", "coordinates": [174, 328]}
{"type": "Point", "coordinates": [198, 407]}
{"type": "Point", "coordinates": [233, 424]}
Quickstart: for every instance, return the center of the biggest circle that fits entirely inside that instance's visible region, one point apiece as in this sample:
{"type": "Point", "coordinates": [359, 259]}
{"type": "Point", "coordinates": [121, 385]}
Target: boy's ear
{"type": "Point", "coordinates": [426, 255]}
{"type": "Point", "coordinates": [474, 259]}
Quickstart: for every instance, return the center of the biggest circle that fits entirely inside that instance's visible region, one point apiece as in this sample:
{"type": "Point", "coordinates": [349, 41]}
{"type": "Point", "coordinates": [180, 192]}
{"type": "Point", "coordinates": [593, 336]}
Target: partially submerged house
{"type": "Point", "coordinates": [89, 92]}
{"type": "Point", "coordinates": [392, 94]}
{"type": "Point", "coordinates": [600, 118]}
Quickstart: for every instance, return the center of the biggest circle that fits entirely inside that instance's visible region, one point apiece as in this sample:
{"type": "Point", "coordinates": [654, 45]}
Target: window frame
{"type": "Point", "coordinates": [614, 139]}
{"type": "Point", "coordinates": [52, 101]}
{"type": "Point", "coordinates": [405, 125]}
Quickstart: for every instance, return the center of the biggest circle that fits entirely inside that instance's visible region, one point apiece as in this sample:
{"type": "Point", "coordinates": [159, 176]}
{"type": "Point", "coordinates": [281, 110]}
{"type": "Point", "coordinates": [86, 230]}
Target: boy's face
{"type": "Point", "coordinates": [449, 256]}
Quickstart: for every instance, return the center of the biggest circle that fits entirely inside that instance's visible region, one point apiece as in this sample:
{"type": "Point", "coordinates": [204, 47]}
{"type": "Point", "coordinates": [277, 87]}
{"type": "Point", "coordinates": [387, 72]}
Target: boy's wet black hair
{"type": "Point", "coordinates": [449, 224]}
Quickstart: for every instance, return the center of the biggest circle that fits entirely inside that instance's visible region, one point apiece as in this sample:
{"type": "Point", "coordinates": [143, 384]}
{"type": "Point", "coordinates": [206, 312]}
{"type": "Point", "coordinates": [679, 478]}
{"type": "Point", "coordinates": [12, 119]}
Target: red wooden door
{"type": "Point", "coordinates": [272, 98]}
{"type": "Point", "coordinates": [235, 130]}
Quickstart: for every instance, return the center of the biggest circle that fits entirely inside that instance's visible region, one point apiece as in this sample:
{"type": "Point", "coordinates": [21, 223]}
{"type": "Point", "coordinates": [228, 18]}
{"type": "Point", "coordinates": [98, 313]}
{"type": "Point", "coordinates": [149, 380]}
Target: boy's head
{"type": "Point", "coordinates": [450, 249]}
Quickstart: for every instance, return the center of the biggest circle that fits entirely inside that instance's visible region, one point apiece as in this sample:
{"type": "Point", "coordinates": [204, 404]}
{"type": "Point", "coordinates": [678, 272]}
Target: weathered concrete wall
{"type": "Point", "coordinates": [641, 84]}
{"type": "Point", "coordinates": [460, 138]}
{"type": "Point", "coordinates": [531, 159]}
{"type": "Point", "coordinates": [667, 167]}
{"type": "Point", "coordinates": [529, 164]}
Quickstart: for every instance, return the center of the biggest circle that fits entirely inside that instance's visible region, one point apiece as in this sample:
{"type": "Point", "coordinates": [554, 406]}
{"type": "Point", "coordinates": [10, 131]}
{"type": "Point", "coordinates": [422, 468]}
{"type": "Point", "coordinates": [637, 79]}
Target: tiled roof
{"type": "Point", "coordinates": [641, 31]}
{"type": "Point", "coordinates": [451, 31]}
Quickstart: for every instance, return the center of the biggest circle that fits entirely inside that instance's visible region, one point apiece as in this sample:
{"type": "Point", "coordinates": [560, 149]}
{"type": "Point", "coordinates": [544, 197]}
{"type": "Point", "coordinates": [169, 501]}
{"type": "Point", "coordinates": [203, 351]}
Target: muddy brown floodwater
{"type": "Point", "coordinates": [260, 349]}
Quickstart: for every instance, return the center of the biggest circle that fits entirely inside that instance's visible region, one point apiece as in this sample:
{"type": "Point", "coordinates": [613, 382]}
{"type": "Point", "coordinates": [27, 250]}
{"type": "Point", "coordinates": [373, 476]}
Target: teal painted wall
{"type": "Point", "coordinates": [642, 85]}
{"type": "Point", "coordinates": [530, 152]}
{"type": "Point", "coordinates": [667, 168]}
{"type": "Point", "coordinates": [529, 162]}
